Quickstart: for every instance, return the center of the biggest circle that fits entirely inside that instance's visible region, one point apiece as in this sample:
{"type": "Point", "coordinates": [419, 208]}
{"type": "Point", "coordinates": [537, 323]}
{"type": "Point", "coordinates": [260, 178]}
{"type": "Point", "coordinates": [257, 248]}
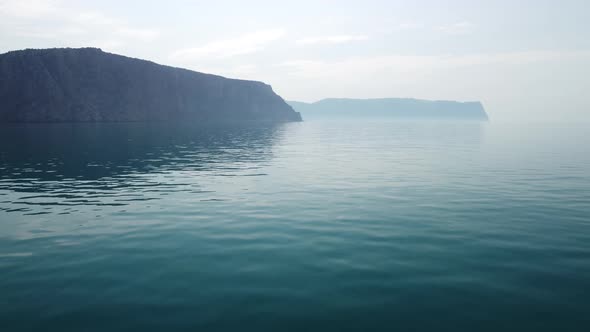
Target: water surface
{"type": "Point", "coordinates": [321, 225]}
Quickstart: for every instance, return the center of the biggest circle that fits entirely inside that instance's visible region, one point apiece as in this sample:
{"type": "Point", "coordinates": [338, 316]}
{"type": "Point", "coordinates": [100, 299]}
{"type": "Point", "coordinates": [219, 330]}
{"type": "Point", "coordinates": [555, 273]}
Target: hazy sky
{"type": "Point", "coordinates": [522, 59]}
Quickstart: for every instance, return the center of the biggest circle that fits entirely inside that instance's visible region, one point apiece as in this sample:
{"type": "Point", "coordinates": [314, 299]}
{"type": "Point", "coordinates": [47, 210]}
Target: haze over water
{"type": "Point", "coordinates": [324, 225]}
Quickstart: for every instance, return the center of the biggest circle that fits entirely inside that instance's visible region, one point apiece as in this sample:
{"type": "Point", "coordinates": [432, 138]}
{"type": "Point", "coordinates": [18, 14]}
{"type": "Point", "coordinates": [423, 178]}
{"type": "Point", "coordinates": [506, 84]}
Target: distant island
{"type": "Point", "coordinates": [89, 85]}
{"type": "Point", "coordinates": [391, 107]}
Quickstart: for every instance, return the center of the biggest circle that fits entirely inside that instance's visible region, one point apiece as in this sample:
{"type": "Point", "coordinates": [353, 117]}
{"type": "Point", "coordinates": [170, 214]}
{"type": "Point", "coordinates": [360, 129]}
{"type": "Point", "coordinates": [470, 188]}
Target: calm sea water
{"type": "Point", "coordinates": [318, 226]}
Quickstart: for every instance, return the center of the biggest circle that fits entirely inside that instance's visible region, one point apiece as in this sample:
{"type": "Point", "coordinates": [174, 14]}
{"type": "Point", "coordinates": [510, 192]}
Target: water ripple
{"type": "Point", "coordinates": [333, 226]}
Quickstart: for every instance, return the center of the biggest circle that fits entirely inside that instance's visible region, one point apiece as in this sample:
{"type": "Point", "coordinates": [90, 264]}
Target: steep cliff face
{"type": "Point", "coordinates": [392, 107]}
{"type": "Point", "coordinates": [89, 85]}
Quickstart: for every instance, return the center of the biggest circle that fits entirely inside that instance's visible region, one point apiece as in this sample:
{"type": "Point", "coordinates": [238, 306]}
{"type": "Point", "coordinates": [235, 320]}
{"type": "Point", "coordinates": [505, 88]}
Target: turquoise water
{"type": "Point", "coordinates": [319, 226]}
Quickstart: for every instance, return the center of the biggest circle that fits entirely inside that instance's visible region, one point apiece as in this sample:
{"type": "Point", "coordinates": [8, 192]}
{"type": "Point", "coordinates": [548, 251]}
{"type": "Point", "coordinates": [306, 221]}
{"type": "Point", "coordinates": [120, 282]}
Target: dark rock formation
{"type": "Point", "coordinates": [388, 107]}
{"type": "Point", "coordinates": [89, 85]}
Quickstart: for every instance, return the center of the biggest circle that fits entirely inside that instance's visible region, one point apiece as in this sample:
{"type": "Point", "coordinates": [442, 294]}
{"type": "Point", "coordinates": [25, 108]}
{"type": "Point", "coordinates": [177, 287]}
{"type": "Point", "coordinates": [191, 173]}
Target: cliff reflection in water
{"type": "Point", "coordinates": [48, 165]}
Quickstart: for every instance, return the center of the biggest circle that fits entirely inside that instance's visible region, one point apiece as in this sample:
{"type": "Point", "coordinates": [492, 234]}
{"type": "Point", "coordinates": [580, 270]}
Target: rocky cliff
{"type": "Point", "coordinates": [391, 107]}
{"type": "Point", "coordinates": [89, 85]}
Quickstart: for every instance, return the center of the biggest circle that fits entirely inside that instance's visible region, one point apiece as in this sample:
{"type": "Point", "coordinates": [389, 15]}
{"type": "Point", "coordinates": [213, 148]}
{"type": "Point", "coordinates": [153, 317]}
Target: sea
{"type": "Point", "coordinates": [324, 225]}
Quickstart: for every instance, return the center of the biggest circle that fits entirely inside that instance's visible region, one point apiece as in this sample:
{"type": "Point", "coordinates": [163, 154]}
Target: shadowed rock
{"type": "Point", "coordinates": [89, 85]}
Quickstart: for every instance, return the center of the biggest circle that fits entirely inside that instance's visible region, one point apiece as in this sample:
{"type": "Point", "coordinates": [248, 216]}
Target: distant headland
{"type": "Point", "coordinates": [391, 107]}
{"type": "Point", "coordinates": [89, 85]}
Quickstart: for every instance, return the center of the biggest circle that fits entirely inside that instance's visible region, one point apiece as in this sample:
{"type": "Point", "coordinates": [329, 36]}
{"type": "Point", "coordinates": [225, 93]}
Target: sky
{"type": "Point", "coordinates": [522, 59]}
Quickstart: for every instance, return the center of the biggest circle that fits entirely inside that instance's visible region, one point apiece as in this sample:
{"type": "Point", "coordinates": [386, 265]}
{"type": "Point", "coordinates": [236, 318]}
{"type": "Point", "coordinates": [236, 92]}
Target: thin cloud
{"type": "Point", "coordinates": [409, 25]}
{"type": "Point", "coordinates": [29, 9]}
{"type": "Point", "coordinates": [403, 64]}
{"type": "Point", "coordinates": [337, 39]}
{"type": "Point", "coordinates": [145, 35]}
{"type": "Point", "coordinates": [249, 43]}
{"type": "Point", "coordinates": [54, 20]}
{"type": "Point", "coordinates": [456, 28]}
